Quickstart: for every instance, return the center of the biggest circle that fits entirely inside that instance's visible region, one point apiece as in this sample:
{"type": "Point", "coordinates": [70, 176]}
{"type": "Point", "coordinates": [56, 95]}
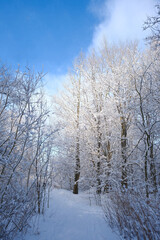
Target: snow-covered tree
{"type": "Point", "coordinates": [25, 149]}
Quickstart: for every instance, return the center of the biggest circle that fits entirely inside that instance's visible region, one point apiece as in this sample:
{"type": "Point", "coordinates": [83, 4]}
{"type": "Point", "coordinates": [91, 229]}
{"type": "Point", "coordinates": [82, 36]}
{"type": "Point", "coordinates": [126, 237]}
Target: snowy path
{"type": "Point", "coordinates": [70, 217]}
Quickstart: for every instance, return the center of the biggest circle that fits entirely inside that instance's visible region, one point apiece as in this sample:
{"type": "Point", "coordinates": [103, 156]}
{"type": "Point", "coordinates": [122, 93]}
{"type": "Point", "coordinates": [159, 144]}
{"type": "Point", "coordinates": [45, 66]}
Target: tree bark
{"type": "Point", "coordinates": [77, 168]}
{"type": "Point", "coordinates": [109, 156]}
{"type": "Point", "coordinates": [124, 182]}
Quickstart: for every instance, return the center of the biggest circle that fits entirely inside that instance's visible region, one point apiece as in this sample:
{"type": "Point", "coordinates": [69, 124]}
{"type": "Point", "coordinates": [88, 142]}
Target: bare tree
{"type": "Point", "coordinates": [23, 148]}
{"type": "Point", "coordinates": [153, 23]}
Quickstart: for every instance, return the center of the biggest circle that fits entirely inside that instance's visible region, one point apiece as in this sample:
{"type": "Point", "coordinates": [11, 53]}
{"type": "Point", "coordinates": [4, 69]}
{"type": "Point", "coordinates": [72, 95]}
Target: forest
{"type": "Point", "coordinates": [101, 133]}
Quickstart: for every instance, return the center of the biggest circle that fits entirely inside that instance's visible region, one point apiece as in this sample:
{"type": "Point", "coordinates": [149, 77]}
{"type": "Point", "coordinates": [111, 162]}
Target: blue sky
{"type": "Point", "coordinates": [44, 32]}
{"type": "Point", "coordinates": [51, 33]}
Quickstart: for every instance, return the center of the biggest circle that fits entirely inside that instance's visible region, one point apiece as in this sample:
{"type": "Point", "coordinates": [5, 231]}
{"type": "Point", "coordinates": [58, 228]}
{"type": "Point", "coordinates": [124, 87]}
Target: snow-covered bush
{"type": "Point", "coordinates": [133, 215]}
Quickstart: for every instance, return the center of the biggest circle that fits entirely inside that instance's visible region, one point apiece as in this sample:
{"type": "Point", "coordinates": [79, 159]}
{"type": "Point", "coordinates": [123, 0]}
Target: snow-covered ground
{"type": "Point", "coordinates": [70, 217]}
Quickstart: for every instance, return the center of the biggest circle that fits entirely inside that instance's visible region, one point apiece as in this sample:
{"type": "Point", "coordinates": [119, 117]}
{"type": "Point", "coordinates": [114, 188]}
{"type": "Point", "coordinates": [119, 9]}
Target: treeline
{"type": "Point", "coordinates": [25, 149]}
{"type": "Point", "coordinates": [110, 135]}
{"type": "Point", "coordinates": [111, 120]}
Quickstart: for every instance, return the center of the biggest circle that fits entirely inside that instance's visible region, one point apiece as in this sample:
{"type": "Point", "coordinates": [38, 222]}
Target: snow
{"type": "Point", "coordinates": [70, 217]}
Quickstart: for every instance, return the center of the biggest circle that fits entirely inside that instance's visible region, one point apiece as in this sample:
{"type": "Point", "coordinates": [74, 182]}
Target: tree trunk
{"type": "Point", "coordinates": [109, 156]}
{"type": "Point", "coordinates": [99, 161]}
{"type": "Point", "coordinates": [77, 170]}
{"type": "Point", "coordinates": [146, 174]}
{"type": "Point", "coordinates": [123, 152]}
{"type": "Point", "coordinates": [153, 169]}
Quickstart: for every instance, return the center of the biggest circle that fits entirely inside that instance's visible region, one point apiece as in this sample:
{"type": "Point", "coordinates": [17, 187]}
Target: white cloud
{"type": "Point", "coordinates": [122, 20]}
